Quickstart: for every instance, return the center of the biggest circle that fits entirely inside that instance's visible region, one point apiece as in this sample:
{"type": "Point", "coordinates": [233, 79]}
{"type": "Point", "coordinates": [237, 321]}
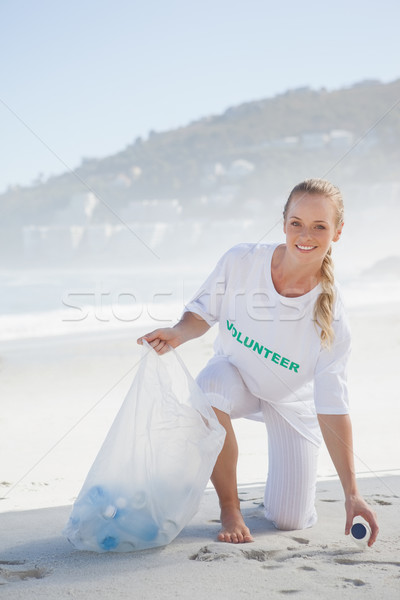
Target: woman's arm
{"type": "Point", "coordinates": [337, 433]}
{"type": "Point", "coordinates": [190, 326]}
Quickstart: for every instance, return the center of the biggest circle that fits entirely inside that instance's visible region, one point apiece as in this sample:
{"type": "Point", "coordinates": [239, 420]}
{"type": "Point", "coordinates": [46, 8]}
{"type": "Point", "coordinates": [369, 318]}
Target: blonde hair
{"type": "Point", "coordinates": [323, 309]}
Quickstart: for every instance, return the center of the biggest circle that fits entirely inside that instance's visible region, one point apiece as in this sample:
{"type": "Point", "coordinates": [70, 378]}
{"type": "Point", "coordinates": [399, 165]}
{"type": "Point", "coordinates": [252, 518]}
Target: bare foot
{"type": "Point", "coordinates": [234, 529]}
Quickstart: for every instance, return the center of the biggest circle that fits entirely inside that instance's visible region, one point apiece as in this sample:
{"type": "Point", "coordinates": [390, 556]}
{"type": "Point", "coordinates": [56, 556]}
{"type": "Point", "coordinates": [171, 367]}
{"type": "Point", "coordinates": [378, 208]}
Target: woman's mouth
{"type": "Point", "coordinates": [305, 248]}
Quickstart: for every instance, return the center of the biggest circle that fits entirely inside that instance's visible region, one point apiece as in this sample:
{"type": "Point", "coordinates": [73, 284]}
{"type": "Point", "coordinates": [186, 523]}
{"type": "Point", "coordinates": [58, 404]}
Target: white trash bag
{"type": "Point", "coordinates": [147, 481]}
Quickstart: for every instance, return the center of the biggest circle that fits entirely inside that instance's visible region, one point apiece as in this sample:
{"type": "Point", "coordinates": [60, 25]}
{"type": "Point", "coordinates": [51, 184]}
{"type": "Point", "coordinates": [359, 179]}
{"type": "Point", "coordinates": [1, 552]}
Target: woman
{"type": "Point", "coordinates": [281, 356]}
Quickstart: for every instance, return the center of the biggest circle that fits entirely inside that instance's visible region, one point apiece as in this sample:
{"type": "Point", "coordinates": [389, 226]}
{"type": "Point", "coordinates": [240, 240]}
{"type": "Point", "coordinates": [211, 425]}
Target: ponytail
{"type": "Point", "coordinates": [323, 309]}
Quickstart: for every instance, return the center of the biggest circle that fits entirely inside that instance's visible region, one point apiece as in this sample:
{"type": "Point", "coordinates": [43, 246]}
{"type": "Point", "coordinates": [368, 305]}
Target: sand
{"type": "Point", "coordinates": [37, 562]}
{"type": "Point", "coordinates": [59, 396]}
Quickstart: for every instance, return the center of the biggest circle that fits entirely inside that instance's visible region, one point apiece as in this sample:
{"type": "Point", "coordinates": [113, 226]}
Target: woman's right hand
{"type": "Point", "coordinates": [190, 326]}
{"type": "Point", "coordinates": [162, 339]}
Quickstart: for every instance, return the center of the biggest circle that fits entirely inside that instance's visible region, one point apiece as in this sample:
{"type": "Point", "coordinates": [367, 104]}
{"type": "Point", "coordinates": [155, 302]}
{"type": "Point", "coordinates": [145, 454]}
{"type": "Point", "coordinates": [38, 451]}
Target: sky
{"type": "Point", "coordinates": [84, 78]}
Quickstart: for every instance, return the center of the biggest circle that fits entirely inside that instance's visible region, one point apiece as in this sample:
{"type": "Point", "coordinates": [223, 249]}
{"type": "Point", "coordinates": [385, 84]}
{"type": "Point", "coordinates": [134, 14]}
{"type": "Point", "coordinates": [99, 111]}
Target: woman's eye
{"type": "Point", "coordinates": [295, 223]}
{"type": "Point", "coordinates": [320, 227]}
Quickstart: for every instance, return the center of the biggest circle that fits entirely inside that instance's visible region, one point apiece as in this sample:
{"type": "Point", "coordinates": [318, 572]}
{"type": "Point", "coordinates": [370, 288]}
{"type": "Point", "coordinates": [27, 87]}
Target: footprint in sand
{"type": "Point", "coordinates": [7, 575]}
{"type": "Point", "coordinates": [260, 555]}
{"type": "Point", "coordinates": [210, 553]}
{"type": "Point", "coordinates": [349, 561]}
{"type": "Point", "coordinates": [328, 500]}
{"type": "Point", "coordinates": [355, 582]}
{"type": "Point", "coordinates": [222, 552]}
{"type": "Point", "coordinates": [300, 540]}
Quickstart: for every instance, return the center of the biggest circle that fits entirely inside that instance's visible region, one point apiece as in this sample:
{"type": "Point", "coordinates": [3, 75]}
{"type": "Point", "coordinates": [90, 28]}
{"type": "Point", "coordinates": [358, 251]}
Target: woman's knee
{"type": "Point", "coordinates": [292, 522]}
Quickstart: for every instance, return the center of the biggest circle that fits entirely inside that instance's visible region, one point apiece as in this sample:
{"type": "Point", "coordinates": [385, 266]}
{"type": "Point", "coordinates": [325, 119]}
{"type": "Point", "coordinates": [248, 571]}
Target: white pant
{"type": "Point", "coordinates": [292, 459]}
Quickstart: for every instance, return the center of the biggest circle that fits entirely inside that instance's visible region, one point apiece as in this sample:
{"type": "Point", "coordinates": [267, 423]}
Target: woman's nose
{"type": "Point", "coordinates": [306, 233]}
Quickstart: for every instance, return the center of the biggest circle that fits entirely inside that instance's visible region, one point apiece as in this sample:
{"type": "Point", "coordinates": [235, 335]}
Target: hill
{"type": "Point", "coordinates": [252, 150]}
{"type": "Point", "coordinates": [229, 166]}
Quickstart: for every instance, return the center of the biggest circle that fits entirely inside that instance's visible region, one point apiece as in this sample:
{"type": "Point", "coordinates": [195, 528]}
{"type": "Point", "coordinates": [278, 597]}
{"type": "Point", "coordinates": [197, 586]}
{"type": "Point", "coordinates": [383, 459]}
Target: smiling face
{"type": "Point", "coordinates": [311, 224]}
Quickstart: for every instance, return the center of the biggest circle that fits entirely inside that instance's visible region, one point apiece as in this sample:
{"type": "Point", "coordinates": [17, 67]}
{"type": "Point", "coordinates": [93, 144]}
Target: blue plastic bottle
{"type": "Point", "coordinates": [96, 495]}
{"type": "Point", "coordinates": [137, 524]}
{"type": "Point", "coordinates": [360, 532]}
{"type": "Point", "coordinates": [113, 520]}
{"type": "Point", "coordinates": [98, 511]}
{"type": "Point", "coordinates": [109, 542]}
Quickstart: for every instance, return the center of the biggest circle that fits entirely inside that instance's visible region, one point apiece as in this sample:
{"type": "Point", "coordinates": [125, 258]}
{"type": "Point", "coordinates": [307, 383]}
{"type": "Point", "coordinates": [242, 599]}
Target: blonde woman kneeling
{"type": "Point", "coordinates": [280, 356]}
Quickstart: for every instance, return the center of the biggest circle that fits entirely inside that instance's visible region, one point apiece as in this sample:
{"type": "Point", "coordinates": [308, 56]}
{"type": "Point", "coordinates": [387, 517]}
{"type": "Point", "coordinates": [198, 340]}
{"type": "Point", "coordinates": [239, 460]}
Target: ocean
{"type": "Point", "coordinates": [47, 302]}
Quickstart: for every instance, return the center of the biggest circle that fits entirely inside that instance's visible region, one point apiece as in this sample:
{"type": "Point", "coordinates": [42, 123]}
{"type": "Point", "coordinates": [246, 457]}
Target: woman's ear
{"type": "Point", "coordinates": [338, 233]}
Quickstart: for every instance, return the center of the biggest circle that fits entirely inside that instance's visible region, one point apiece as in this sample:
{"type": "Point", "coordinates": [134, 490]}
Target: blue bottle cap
{"type": "Point", "coordinates": [109, 543]}
{"type": "Point", "coordinates": [358, 531]}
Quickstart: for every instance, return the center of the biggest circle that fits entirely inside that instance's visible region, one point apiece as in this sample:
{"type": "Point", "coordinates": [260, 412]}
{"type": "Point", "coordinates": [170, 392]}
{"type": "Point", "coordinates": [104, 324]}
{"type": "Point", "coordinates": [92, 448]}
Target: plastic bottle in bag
{"type": "Point", "coordinates": [118, 520]}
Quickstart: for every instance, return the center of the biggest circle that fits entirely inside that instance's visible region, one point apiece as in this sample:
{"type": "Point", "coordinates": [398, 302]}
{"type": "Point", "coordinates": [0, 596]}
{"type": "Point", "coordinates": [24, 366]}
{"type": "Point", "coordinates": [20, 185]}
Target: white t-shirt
{"type": "Point", "coordinates": [273, 340]}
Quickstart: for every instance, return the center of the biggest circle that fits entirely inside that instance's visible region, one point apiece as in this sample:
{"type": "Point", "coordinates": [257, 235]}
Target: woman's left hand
{"type": "Point", "coordinates": [357, 507]}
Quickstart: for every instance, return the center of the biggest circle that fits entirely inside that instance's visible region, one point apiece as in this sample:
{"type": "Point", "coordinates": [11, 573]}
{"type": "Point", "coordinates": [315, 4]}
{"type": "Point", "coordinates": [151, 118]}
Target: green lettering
{"type": "Point", "coordinates": [275, 358]}
{"type": "Point", "coordinates": [248, 345]}
{"type": "Point", "coordinates": [258, 348]}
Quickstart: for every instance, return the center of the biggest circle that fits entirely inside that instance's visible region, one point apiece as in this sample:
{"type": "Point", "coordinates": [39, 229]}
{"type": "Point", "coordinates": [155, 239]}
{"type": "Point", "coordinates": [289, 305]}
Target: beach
{"type": "Point", "coordinates": [59, 397]}
{"type": "Point", "coordinates": [37, 562]}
